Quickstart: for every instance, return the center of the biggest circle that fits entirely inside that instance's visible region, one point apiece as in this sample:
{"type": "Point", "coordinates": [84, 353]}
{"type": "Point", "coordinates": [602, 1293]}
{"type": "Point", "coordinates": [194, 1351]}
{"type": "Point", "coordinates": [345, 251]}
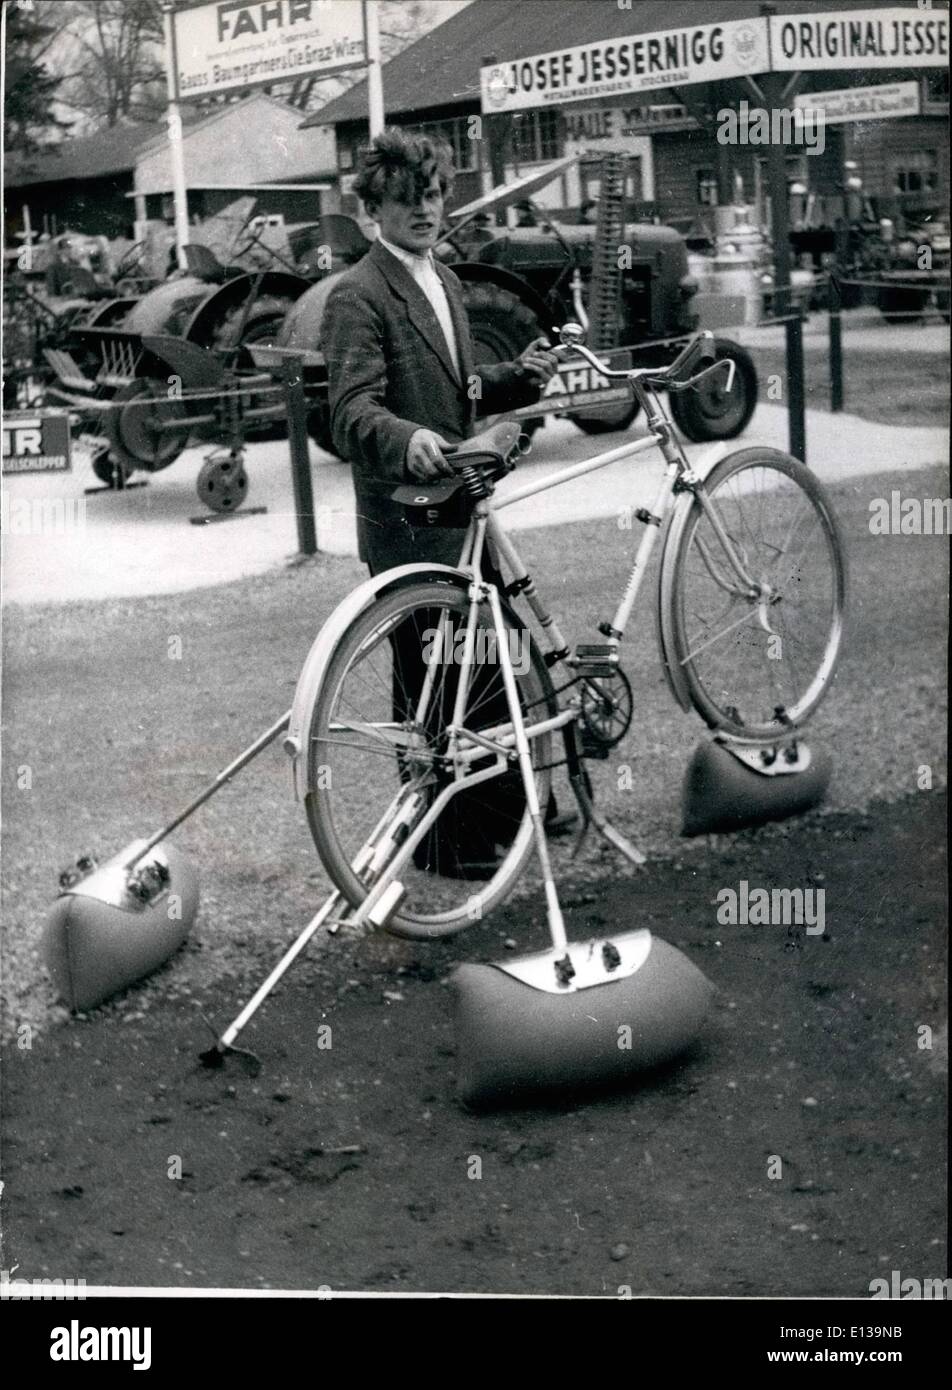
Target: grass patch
{"type": "Point", "coordinates": [906, 388]}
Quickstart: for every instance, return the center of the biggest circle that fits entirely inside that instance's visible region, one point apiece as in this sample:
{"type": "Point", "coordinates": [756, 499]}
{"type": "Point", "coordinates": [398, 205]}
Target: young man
{"type": "Point", "coordinates": [400, 361]}
{"type": "Point", "coordinates": [400, 355]}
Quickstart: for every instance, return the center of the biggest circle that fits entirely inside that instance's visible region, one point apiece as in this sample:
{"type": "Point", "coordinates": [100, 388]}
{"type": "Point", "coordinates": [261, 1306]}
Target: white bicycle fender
{"type": "Point", "coordinates": [323, 648]}
{"type": "Point", "coordinates": [702, 467]}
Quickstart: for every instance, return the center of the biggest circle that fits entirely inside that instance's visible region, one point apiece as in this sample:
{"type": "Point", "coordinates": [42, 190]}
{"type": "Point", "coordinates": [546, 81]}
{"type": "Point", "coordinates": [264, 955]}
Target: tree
{"type": "Point", "coordinates": [401, 22]}
{"type": "Point", "coordinates": [31, 89]}
{"type": "Point", "coordinates": [112, 51]}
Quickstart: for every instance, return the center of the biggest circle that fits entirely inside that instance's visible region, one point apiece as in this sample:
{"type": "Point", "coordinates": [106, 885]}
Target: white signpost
{"type": "Point", "coordinates": [901, 36]}
{"type": "Point", "coordinates": [236, 44]}
{"type": "Point", "coordinates": [863, 103]}
{"type": "Point", "coordinates": [639, 63]}
{"type": "Point", "coordinates": [241, 43]}
{"type": "Point", "coordinates": [897, 36]}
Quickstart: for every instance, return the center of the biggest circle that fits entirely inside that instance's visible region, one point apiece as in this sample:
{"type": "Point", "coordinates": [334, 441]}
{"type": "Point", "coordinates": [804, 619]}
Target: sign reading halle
{"type": "Point", "coordinates": [241, 44]}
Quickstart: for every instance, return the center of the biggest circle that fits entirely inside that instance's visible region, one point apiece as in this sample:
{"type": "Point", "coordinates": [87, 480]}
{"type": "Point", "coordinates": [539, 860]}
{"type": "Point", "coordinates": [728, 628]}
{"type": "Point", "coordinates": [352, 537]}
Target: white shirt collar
{"type": "Point", "coordinates": [413, 262]}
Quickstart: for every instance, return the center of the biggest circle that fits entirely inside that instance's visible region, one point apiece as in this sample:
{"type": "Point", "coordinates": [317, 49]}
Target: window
{"type": "Point", "coordinates": [706, 187]}
{"type": "Point", "coordinates": [935, 92]}
{"type": "Point", "coordinates": [457, 134]}
{"type": "Point", "coordinates": [537, 137]}
{"type": "Point", "coordinates": [590, 182]}
{"type": "Point", "coordinates": [918, 172]}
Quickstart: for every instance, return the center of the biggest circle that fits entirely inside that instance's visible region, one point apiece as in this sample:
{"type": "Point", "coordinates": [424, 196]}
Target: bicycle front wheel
{"type": "Point", "coordinates": [380, 753]}
{"type": "Point", "coordinates": [758, 657]}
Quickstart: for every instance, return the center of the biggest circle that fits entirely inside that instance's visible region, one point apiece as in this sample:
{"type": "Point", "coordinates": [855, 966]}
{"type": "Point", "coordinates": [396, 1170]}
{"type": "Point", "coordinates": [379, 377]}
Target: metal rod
{"type": "Point", "coordinates": [176, 153]}
{"type": "Point", "coordinates": [836, 316]}
{"type": "Point", "coordinates": [553, 910]}
{"type": "Point", "coordinates": [574, 470]}
{"type": "Point", "coordinates": [224, 776]}
{"type": "Point", "coordinates": [287, 960]}
{"type": "Point", "coordinates": [836, 349]}
{"type": "Point", "coordinates": [375, 111]}
{"type": "Point", "coordinates": [795, 386]}
{"type": "Point", "coordinates": [300, 457]}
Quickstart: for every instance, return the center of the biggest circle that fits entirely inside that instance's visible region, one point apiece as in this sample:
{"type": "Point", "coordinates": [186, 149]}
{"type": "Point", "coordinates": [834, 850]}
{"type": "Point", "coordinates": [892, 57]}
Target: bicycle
{"type": "Point", "coordinates": [752, 567]}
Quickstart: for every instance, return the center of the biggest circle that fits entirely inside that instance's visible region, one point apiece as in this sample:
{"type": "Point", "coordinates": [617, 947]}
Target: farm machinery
{"type": "Point", "coordinates": [226, 334]}
{"type": "Point", "coordinates": [126, 368]}
{"type": "Point", "coordinates": [627, 283]}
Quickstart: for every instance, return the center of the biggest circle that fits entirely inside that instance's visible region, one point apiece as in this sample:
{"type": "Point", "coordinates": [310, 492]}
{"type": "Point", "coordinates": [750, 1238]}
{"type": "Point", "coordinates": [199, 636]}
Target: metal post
{"type": "Point", "coordinates": [179, 193]}
{"type": "Point", "coordinates": [27, 237]}
{"type": "Point", "coordinates": [374, 71]}
{"type": "Point", "coordinates": [836, 346]}
{"type": "Point", "coordinates": [840, 268]}
{"type": "Point", "coordinates": [291, 373]}
{"type": "Point", "coordinates": [724, 170]}
{"type": "Point", "coordinates": [795, 386]}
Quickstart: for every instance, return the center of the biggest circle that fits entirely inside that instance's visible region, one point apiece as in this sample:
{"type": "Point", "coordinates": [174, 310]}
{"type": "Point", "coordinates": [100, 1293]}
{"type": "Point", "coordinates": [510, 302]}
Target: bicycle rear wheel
{"type": "Point", "coordinates": [758, 662]}
{"type": "Point", "coordinates": [371, 746]}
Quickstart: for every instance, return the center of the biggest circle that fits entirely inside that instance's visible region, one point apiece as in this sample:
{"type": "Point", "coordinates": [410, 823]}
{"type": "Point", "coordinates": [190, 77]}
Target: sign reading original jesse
{"type": "Point", "coordinates": [671, 57]}
{"type": "Point", "coordinates": [241, 43]}
{"type": "Point", "coordinates": [897, 37]}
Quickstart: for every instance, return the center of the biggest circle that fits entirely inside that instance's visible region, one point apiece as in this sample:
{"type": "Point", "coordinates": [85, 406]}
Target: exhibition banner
{"type": "Point", "coordinates": [635, 63]}
{"type": "Point", "coordinates": [241, 44]}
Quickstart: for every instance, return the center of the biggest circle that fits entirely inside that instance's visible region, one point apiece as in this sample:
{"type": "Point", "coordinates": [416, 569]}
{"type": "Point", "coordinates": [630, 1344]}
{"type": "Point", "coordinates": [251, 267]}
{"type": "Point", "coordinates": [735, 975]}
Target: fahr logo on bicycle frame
{"type": "Point", "coordinates": [577, 383]}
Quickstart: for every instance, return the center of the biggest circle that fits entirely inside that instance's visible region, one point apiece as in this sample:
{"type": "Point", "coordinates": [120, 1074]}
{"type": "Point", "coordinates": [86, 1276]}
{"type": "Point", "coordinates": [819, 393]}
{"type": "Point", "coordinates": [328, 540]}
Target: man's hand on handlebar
{"type": "Point", "coordinates": [425, 460]}
{"type": "Point", "coordinates": [538, 360]}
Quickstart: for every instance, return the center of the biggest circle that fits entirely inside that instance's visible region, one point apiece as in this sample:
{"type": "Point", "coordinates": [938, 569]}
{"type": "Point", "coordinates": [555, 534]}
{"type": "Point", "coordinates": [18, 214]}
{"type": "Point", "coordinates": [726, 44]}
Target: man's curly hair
{"type": "Point", "coordinates": [399, 164]}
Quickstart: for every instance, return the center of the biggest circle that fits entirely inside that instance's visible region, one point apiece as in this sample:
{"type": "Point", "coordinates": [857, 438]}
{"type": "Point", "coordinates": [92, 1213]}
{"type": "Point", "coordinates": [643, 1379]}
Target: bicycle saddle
{"type": "Point", "coordinates": [492, 447]}
{"type": "Point", "coordinates": [443, 501]}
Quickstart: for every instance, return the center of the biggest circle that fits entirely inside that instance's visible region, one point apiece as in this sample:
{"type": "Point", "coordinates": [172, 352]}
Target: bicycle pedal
{"type": "Point", "coordinates": [592, 747]}
{"type": "Point", "coordinates": [595, 660]}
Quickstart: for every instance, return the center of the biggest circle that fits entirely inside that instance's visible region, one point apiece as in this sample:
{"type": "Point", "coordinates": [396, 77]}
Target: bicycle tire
{"type": "Point", "coordinates": [735, 678]}
{"type": "Point", "coordinates": [343, 804]}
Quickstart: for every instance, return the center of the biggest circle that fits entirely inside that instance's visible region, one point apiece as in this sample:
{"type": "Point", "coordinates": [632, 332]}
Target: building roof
{"type": "Point", "coordinates": [87, 157]}
{"type": "Point", "coordinates": [118, 150]}
{"type": "Point", "coordinates": [198, 119]}
{"type": "Point", "coordinates": [442, 68]}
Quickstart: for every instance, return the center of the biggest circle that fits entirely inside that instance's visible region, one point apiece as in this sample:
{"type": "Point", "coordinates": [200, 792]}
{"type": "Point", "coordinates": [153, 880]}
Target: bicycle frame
{"type": "Point", "coordinates": [466, 746]}
{"type": "Point", "coordinates": [379, 861]}
{"type": "Point", "coordinates": [678, 476]}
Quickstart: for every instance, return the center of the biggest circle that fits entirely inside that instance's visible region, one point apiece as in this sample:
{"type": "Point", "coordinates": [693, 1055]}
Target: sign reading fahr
{"type": "Point", "coordinates": [239, 18]}
{"type": "Point", "coordinates": [243, 43]}
{"type": "Point", "coordinates": [36, 443]}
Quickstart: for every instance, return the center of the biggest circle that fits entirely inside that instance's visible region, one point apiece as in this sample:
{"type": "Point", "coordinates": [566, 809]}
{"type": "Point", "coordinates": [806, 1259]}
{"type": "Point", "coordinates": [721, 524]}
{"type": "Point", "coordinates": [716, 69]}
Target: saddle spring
{"type": "Point", "coordinates": [475, 481]}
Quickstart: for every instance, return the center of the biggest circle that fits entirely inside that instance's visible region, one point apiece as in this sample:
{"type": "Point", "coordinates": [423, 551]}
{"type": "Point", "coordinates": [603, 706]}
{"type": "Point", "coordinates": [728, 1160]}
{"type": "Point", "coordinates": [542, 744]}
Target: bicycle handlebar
{"type": "Point", "coordinates": [699, 349]}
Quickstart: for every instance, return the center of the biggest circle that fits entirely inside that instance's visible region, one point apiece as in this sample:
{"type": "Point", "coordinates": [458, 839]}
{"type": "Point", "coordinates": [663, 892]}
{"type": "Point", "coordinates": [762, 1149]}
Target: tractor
{"type": "Point", "coordinates": [627, 282]}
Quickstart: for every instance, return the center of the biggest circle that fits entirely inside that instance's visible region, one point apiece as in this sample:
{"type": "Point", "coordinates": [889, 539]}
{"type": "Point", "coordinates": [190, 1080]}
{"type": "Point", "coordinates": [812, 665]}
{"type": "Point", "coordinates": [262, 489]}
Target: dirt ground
{"type": "Point", "coordinates": [353, 1167]}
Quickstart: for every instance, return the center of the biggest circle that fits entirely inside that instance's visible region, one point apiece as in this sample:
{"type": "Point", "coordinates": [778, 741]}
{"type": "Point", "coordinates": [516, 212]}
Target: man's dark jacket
{"type": "Point", "coordinates": [390, 373]}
